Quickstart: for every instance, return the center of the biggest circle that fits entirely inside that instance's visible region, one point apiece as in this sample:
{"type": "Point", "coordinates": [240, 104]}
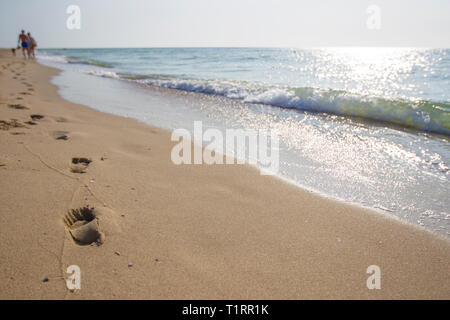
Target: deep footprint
{"type": "Point", "coordinates": [79, 165]}
{"type": "Point", "coordinates": [90, 225]}
{"type": "Point", "coordinates": [83, 226]}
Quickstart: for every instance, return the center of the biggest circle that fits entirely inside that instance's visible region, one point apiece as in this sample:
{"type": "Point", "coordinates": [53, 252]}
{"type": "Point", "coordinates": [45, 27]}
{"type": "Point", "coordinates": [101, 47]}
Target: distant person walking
{"type": "Point", "coordinates": [24, 43]}
{"type": "Point", "coordinates": [32, 45]}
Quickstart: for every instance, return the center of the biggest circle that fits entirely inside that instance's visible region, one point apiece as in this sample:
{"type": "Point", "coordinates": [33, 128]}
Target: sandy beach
{"type": "Point", "coordinates": [178, 232]}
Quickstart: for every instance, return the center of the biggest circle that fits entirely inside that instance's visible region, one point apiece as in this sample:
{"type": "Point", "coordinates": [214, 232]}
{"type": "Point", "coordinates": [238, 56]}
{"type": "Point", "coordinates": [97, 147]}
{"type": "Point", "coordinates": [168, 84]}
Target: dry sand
{"type": "Point", "coordinates": [167, 231]}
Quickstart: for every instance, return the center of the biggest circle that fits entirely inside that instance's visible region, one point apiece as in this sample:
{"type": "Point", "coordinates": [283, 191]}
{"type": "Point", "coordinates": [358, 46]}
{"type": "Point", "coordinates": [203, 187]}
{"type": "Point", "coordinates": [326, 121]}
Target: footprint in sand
{"type": "Point", "coordinates": [35, 117]}
{"type": "Point", "coordinates": [61, 119]}
{"type": "Point", "coordinates": [31, 123]}
{"type": "Point", "coordinates": [91, 225]}
{"type": "Point", "coordinates": [79, 165]}
{"type": "Point", "coordinates": [18, 107]}
{"type": "Point", "coordinates": [60, 135]}
{"type": "Point", "coordinates": [13, 123]}
{"type": "Point", "coordinates": [83, 226]}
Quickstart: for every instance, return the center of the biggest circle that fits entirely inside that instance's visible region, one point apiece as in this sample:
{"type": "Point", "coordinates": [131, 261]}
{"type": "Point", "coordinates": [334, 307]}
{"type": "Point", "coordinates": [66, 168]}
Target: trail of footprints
{"type": "Point", "coordinates": [82, 223]}
{"type": "Point", "coordinates": [15, 123]}
{"type": "Point", "coordinates": [33, 118]}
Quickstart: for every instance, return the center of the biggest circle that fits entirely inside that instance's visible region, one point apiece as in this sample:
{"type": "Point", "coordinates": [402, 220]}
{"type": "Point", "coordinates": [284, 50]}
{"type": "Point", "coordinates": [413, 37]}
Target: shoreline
{"type": "Point", "coordinates": [380, 205]}
{"type": "Point", "coordinates": [187, 231]}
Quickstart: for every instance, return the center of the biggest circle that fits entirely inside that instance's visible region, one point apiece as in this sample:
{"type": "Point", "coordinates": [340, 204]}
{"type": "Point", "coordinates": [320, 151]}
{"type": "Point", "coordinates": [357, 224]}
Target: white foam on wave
{"type": "Point", "coordinates": [44, 56]}
{"type": "Point", "coordinates": [277, 96]}
{"type": "Point", "coordinates": [222, 88]}
{"type": "Point", "coordinates": [103, 74]}
{"type": "Point", "coordinates": [420, 115]}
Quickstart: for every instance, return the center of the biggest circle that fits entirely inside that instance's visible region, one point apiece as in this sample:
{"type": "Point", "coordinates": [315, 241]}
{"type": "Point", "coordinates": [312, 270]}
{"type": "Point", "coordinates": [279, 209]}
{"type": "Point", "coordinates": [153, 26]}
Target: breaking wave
{"type": "Point", "coordinates": [416, 114]}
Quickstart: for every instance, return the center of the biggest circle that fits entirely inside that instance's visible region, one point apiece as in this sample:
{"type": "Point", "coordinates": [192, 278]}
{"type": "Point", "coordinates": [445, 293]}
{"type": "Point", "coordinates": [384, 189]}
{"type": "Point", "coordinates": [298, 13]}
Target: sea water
{"type": "Point", "coordinates": [366, 125]}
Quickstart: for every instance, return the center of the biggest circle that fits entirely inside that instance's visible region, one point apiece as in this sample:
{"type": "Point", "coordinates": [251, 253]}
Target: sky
{"type": "Point", "coordinates": [229, 23]}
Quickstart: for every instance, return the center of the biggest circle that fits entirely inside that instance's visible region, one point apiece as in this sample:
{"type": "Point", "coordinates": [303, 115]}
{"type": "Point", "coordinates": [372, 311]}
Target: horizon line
{"type": "Point", "coordinates": [242, 47]}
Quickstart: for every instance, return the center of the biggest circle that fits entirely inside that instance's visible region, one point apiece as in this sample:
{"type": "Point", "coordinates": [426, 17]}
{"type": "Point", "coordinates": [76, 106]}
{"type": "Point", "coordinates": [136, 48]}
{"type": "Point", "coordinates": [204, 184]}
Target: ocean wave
{"type": "Point", "coordinates": [92, 62]}
{"type": "Point", "coordinates": [416, 114]}
{"type": "Point", "coordinates": [143, 76]}
{"type": "Point", "coordinates": [43, 55]}
{"type": "Point", "coordinates": [58, 58]}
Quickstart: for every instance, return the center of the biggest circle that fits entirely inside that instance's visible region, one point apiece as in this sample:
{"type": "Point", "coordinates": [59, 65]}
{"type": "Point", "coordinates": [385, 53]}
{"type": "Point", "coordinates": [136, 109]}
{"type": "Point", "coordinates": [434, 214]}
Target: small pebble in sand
{"type": "Point", "coordinates": [123, 214]}
{"type": "Point", "coordinates": [117, 253]}
{"type": "Point", "coordinates": [45, 279]}
{"type": "Point", "coordinates": [130, 265]}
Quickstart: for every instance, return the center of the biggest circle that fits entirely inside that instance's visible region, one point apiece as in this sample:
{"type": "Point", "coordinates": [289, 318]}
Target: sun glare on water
{"type": "Point", "coordinates": [375, 70]}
